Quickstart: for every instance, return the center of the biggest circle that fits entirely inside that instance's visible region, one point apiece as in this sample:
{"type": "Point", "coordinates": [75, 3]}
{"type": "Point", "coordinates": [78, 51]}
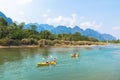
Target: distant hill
{"type": "Point", "coordinates": [64, 29]}
{"type": "Point", "coordinates": [77, 29]}
{"type": "Point", "coordinates": [61, 29]}
{"type": "Point", "coordinates": [9, 20]}
{"type": "Point", "coordinates": [40, 27]}
{"type": "Point", "coordinates": [97, 35]}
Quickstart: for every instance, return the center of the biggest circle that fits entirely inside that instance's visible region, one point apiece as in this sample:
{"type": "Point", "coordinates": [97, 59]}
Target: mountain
{"type": "Point", "coordinates": [94, 34]}
{"type": "Point", "coordinates": [97, 35]}
{"type": "Point", "coordinates": [40, 27]}
{"type": "Point", "coordinates": [61, 29]}
{"type": "Point", "coordinates": [77, 29]}
{"type": "Point", "coordinates": [9, 20]}
{"type": "Point", "coordinates": [46, 27]}
{"type": "Point", "coordinates": [64, 29]}
{"type": "Point", "coordinates": [108, 37]}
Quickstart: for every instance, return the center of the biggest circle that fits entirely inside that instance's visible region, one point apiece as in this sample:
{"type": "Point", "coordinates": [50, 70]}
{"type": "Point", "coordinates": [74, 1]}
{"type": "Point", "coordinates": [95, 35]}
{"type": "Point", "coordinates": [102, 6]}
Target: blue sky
{"type": "Point", "coordinates": [101, 15]}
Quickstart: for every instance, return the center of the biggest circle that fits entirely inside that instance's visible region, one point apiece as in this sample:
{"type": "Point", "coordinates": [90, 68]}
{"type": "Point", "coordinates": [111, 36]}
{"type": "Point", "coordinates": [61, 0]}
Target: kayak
{"type": "Point", "coordinates": [77, 55]}
{"type": "Point", "coordinates": [46, 63]}
{"type": "Point", "coordinates": [43, 64]}
{"type": "Point", "coordinates": [53, 63]}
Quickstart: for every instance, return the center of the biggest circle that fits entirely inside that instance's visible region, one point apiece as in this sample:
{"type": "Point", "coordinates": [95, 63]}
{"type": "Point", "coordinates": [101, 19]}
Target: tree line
{"type": "Point", "coordinates": [16, 33]}
{"type": "Point", "coordinates": [115, 41]}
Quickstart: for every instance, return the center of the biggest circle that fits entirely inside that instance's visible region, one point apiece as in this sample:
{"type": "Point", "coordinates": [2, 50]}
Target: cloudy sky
{"type": "Point", "coordinates": [100, 15]}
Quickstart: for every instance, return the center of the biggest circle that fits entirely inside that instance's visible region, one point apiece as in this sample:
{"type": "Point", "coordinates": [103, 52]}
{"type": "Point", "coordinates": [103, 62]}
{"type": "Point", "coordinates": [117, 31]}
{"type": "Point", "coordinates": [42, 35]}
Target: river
{"type": "Point", "coordinates": [94, 63]}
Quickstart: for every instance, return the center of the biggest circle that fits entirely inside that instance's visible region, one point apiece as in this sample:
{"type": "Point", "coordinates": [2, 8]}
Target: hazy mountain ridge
{"type": "Point", "coordinates": [68, 30]}
{"type": "Point", "coordinates": [64, 29]}
{"type": "Point", "coordinates": [9, 20]}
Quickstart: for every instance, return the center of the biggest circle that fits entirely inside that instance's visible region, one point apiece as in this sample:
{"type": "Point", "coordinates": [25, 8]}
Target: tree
{"type": "Point", "coordinates": [3, 28]}
{"type": "Point", "coordinates": [3, 22]}
{"type": "Point", "coordinates": [16, 31]}
{"type": "Point", "coordinates": [33, 29]}
{"type": "Point", "coordinates": [76, 36]}
{"type": "Point", "coordinates": [46, 35]}
{"type": "Point", "coordinates": [21, 25]}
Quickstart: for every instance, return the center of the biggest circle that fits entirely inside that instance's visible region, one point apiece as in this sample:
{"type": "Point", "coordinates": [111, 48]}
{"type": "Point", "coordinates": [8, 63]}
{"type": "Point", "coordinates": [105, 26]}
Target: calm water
{"type": "Point", "coordinates": [96, 63]}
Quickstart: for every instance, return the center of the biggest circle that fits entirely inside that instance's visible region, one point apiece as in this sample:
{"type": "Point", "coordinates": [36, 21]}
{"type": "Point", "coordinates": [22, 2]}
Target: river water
{"type": "Point", "coordinates": [95, 63]}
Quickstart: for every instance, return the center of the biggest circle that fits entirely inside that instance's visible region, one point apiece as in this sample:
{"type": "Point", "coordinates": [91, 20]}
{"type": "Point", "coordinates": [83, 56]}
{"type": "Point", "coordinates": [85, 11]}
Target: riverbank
{"type": "Point", "coordinates": [37, 46]}
{"type": "Point", "coordinates": [24, 46]}
{"type": "Point", "coordinates": [59, 44]}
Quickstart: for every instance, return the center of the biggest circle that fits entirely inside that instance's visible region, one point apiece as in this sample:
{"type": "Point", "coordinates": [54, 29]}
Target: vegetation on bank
{"type": "Point", "coordinates": [16, 35]}
{"type": "Point", "coordinates": [115, 41]}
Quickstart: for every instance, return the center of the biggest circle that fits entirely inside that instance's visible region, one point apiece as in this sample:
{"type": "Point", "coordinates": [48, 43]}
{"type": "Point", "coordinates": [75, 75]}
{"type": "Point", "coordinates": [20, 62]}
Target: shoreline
{"type": "Point", "coordinates": [37, 46]}
{"type": "Point", "coordinates": [76, 46]}
{"type": "Point", "coordinates": [23, 46]}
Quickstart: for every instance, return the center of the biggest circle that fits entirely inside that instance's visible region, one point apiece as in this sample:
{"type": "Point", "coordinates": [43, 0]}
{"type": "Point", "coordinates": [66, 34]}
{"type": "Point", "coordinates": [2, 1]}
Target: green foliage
{"type": "Point", "coordinates": [46, 35]}
{"type": "Point", "coordinates": [16, 34]}
{"type": "Point", "coordinates": [3, 32]}
{"type": "Point", "coordinates": [76, 36]}
{"type": "Point", "coordinates": [115, 41]}
{"type": "Point", "coordinates": [29, 42]}
{"type": "Point", "coordinates": [3, 22]}
{"type": "Point", "coordinates": [9, 42]}
{"type": "Point", "coordinates": [3, 28]}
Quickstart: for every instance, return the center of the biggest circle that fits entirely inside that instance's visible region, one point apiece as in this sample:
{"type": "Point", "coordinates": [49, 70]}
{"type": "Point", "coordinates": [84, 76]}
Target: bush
{"type": "Point", "coordinates": [67, 42]}
{"type": "Point", "coordinates": [29, 42]}
{"type": "Point", "coordinates": [56, 42]}
{"type": "Point", "coordinates": [9, 42]}
{"type": "Point", "coordinates": [43, 43]}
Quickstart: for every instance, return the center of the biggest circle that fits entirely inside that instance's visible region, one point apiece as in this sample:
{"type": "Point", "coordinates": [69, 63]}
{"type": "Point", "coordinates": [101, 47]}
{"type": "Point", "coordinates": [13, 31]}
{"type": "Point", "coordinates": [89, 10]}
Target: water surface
{"type": "Point", "coordinates": [95, 63]}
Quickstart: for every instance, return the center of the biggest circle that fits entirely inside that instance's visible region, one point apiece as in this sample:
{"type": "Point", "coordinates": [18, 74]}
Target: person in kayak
{"type": "Point", "coordinates": [47, 62]}
{"type": "Point", "coordinates": [54, 59]}
{"type": "Point", "coordinates": [75, 55]}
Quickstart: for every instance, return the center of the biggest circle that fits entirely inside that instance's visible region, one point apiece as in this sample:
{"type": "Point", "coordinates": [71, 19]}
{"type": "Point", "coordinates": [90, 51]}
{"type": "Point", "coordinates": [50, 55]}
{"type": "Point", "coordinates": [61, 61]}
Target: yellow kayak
{"type": "Point", "coordinates": [75, 55]}
{"type": "Point", "coordinates": [43, 64]}
{"type": "Point", "coordinates": [53, 63]}
{"type": "Point", "coordinates": [46, 63]}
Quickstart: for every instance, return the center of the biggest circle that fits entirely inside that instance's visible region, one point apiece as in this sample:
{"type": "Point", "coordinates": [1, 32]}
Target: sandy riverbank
{"type": "Point", "coordinates": [37, 46]}
{"type": "Point", "coordinates": [26, 46]}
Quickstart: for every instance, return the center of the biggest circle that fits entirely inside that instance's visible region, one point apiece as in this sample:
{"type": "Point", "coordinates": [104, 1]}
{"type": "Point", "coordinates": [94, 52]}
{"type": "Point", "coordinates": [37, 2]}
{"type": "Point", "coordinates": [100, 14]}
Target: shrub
{"type": "Point", "coordinates": [9, 42]}
{"type": "Point", "coordinates": [29, 42]}
{"type": "Point", "coordinates": [56, 42]}
{"type": "Point", "coordinates": [43, 43]}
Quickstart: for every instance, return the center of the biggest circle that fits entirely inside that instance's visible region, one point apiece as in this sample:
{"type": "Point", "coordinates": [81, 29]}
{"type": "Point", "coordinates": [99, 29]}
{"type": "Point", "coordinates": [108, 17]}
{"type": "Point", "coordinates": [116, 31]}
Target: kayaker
{"type": "Point", "coordinates": [47, 62]}
{"type": "Point", "coordinates": [74, 55]}
{"type": "Point", "coordinates": [54, 59]}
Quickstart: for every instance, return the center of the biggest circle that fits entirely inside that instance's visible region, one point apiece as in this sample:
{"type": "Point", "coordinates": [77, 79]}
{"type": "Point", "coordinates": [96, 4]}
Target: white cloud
{"type": "Point", "coordinates": [90, 24]}
{"type": "Point", "coordinates": [44, 15]}
{"type": "Point", "coordinates": [116, 28]}
{"type": "Point", "coordinates": [1, 0]}
{"type": "Point", "coordinates": [23, 2]}
{"type": "Point", "coordinates": [74, 15]}
{"type": "Point", "coordinates": [21, 13]}
{"type": "Point", "coordinates": [71, 21]}
{"type": "Point", "coordinates": [61, 20]}
{"type": "Point", "coordinates": [48, 11]}
{"type": "Point", "coordinates": [82, 17]}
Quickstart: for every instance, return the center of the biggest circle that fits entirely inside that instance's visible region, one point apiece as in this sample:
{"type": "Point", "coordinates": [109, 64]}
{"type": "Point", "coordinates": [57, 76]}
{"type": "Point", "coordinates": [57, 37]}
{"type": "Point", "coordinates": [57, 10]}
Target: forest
{"type": "Point", "coordinates": [16, 34]}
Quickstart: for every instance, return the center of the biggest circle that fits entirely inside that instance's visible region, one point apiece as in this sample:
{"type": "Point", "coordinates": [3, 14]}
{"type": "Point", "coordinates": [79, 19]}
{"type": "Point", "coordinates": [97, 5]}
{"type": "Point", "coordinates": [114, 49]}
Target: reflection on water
{"type": "Point", "coordinates": [45, 52]}
{"type": "Point", "coordinates": [93, 64]}
{"type": "Point", "coordinates": [9, 55]}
